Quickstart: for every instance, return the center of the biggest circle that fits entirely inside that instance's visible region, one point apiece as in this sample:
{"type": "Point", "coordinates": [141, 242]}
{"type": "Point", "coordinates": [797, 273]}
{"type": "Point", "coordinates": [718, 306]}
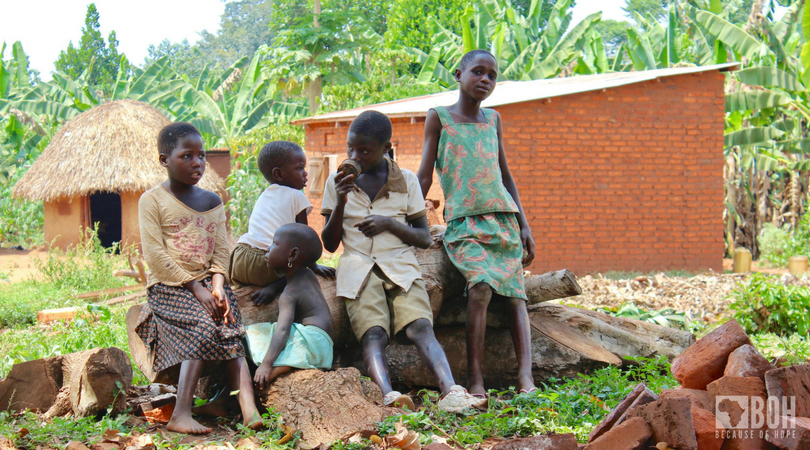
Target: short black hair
{"type": "Point", "coordinates": [172, 133]}
{"type": "Point", "coordinates": [305, 238]}
{"type": "Point", "coordinates": [373, 124]}
{"type": "Point", "coordinates": [470, 56]}
{"type": "Point", "coordinates": [275, 154]}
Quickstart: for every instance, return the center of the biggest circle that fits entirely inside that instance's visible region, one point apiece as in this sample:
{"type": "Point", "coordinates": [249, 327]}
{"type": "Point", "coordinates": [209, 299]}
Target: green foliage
{"type": "Point", "coordinates": [657, 9]}
{"type": "Point", "coordinates": [94, 327]}
{"type": "Point", "coordinates": [100, 59]}
{"type": "Point", "coordinates": [21, 221]}
{"type": "Point", "coordinates": [522, 49]}
{"type": "Point", "coordinates": [794, 348]}
{"type": "Point", "coordinates": [777, 245]}
{"type": "Point", "coordinates": [666, 317]}
{"type": "Point", "coordinates": [408, 24]}
{"type": "Point", "coordinates": [57, 431]}
{"type": "Point", "coordinates": [246, 183]}
{"type": "Point", "coordinates": [381, 86]}
{"type": "Point", "coordinates": [764, 304]}
{"type": "Point", "coordinates": [83, 267]}
{"type": "Point", "coordinates": [572, 405]}
{"type": "Point", "coordinates": [614, 34]}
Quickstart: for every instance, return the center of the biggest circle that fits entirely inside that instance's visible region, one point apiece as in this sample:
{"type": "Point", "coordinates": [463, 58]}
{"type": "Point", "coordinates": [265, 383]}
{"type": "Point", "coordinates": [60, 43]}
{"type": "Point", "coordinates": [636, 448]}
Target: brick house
{"type": "Point", "coordinates": [620, 171]}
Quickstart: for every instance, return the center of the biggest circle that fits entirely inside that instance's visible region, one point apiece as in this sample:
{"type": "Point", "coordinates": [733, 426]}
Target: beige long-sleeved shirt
{"type": "Point", "coordinates": [179, 243]}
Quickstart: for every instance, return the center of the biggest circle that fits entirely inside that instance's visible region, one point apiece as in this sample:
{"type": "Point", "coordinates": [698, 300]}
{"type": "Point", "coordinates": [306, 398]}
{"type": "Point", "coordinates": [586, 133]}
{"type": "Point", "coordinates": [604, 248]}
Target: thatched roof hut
{"type": "Point", "coordinates": [96, 168]}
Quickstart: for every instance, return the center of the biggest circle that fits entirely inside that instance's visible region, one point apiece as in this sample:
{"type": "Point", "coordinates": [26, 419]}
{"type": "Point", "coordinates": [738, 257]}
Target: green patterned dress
{"type": "Point", "coordinates": [483, 236]}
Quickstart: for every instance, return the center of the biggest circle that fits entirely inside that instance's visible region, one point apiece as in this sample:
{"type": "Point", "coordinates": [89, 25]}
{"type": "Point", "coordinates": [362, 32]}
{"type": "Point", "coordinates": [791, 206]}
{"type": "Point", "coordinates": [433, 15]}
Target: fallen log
{"type": "Point", "coordinates": [559, 348]}
{"type": "Point", "coordinates": [326, 406]}
{"type": "Point", "coordinates": [89, 382]}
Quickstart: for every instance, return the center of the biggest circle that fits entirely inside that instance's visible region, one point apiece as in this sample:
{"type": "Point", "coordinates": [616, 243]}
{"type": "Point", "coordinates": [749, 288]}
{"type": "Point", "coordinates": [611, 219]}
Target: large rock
{"type": "Point", "coordinates": [700, 399]}
{"type": "Point", "coordinates": [630, 435]}
{"type": "Point", "coordinates": [790, 433]}
{"type": "Point", "coordinates": [707, 429]}
{"type": "Point", "coordinates": [746, 361]}
{"type": "Point", "coordinates": [542, 442]}
{"type": "Point", "coordinates": [326, 406]}
{"type": "Point", "coordinates": [670, 420]}
{"type": "Point", "coordinates": [640, 395]}
{"type": "Point", "coordinates": [791, 383]}
{"type": "Point", "coordinates": [706, 360]}
{"type": "Point", "coordinates": [734, 399]}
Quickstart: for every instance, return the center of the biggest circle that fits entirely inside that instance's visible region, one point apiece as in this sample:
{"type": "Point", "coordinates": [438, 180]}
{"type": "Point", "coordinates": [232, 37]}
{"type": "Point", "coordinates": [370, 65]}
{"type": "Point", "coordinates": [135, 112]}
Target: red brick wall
{"type": "Point", "coordinates": [625, 179]}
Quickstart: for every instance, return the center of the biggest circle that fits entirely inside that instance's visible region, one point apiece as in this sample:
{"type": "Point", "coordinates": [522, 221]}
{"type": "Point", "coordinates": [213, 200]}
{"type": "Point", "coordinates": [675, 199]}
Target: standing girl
{"type": "Point", "coordinates": [191, 315]}
{"type": "Point", "coordinates": [487, 237]}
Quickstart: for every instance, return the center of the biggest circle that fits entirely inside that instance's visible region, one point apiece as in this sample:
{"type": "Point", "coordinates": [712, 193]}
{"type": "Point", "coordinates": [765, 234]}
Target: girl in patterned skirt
{"type": "Point", "coordinates": [487, 237]}
{"type": "Point", "coordinates": [191, 315]}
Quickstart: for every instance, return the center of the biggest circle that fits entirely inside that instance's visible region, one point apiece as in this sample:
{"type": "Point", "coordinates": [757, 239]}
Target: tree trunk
{"type": "Point", "coordinates": [326, 406]}
{"type": "Point", "coordinates": [87, 383]}
{"type": "Point", "coordinates": [565, 341]}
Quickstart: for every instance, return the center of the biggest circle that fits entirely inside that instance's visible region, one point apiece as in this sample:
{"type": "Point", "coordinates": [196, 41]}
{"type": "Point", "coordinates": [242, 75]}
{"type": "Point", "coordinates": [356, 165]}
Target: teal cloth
{"type": "Point", "coordinates": [308, 347]}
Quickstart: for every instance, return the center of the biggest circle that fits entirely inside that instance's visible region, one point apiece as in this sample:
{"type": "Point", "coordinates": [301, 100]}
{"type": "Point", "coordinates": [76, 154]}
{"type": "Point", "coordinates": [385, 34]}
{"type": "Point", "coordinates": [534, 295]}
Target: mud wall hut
{"type": "Point", "coordinates": [94, 171]}
{"type": "Point", "coordinates": [620, 171]}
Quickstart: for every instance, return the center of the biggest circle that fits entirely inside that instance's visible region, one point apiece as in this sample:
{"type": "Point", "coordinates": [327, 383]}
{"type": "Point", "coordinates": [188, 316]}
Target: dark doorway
{"type": "Point", "coordinates": [105, 208]}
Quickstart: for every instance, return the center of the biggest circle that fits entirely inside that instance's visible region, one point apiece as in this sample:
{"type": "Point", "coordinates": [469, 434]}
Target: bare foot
{"type": "Point", "coordinates": [186, 425]}
{"type": "Point", "coordinates": [256, 423]}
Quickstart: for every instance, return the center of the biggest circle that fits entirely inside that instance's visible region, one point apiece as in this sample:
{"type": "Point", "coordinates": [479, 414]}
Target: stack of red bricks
{"type": "Point", "coordinates": [730, 397]}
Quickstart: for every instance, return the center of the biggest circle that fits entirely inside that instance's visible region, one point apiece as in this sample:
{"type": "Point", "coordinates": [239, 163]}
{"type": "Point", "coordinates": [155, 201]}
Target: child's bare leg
{"type": "Point", "coordinates": [478, 298]}
{"type": "Point", "coordinates": [239, 377]}
{"type": "Point", "coordinates": [522, 340]}
{"type": "Point", "coordinates": [181, 420]}
{"type": "Point", "coordinates": [374, 342]}
{"type": "Point", "coordinates": [420, 332]}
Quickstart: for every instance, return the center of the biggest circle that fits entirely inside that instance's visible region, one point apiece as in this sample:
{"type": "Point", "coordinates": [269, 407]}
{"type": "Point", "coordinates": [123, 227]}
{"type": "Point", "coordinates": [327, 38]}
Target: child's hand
{"type": "Point", "coordinates": [343, 185]}
{"type": "Point", "coordinates": [262, 377]}
{"type": "Point", "coordinates": [222, 301]}
{"type": "Point", "coordinates": [323, 271]}
{"type": "Point", "coordinates": [208, 301]}
{"type": "Point", "coordinates": [374, 225]}
{"type": "Point", "coordinates": [528, 245]}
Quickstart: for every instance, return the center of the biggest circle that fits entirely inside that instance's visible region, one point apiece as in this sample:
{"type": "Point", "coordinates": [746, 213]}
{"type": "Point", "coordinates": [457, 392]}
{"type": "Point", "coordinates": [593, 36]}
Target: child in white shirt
{"type": "Point", "coordinates": [283, 164]}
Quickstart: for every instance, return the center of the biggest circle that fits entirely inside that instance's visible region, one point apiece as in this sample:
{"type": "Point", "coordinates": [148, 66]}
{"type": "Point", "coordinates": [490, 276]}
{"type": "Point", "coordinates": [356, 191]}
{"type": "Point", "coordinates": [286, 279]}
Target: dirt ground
{"type": "Point", "coordinates": [18, 265]}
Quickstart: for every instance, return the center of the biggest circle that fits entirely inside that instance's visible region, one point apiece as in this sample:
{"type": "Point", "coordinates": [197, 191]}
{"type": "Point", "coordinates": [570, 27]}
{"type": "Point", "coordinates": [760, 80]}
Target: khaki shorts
{"type": "Point", "coordinates": [249, 268]}
{"type": "Point", "coordinates": [384, 304]}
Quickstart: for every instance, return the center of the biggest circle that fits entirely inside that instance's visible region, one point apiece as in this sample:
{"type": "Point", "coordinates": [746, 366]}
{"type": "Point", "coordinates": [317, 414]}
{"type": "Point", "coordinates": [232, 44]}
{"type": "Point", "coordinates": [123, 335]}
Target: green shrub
{"type": "Point", "coordinates": [764, 304]}
{"type": "Point", "coordinates": [21, 221]}
{"type": "Point", "coordinates": [776, 244]}
{"type": "Point", "coordinates": [82, 267]}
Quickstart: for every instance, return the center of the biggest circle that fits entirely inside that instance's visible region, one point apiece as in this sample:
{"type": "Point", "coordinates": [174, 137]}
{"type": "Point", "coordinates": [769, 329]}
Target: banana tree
{"type": "Point", "coordinates": [237, 112]}
{"type": "Point", "coordinates": [523, 50]}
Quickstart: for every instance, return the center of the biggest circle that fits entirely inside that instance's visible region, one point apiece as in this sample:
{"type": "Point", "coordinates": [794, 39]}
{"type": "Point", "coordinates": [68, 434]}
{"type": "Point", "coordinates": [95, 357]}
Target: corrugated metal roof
{"type": "Point", "coordinates": [508, 92]}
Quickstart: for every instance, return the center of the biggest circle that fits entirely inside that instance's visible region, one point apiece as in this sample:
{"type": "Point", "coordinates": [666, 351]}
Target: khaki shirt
{"type": "Point", "coordinates": [179, 243]}
{"type": "Point", "coordinates": [400, 198]}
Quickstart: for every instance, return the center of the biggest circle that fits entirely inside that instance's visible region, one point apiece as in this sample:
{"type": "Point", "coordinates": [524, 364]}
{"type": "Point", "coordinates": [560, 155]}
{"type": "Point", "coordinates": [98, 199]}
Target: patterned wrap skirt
{"type": "Point", "coordinates": [486, 248]}
{"type": "Point", "coordinates": [175, 327]}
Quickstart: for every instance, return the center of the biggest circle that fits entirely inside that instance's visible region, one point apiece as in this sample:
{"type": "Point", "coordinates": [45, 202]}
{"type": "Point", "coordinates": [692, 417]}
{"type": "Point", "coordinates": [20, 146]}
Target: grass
{"type": "Point", "coordinates": [83, 268]}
